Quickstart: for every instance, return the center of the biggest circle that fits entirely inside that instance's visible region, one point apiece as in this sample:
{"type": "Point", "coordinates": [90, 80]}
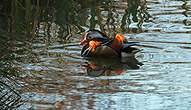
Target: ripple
{"type": "Point", "coordinates": [162, 82]}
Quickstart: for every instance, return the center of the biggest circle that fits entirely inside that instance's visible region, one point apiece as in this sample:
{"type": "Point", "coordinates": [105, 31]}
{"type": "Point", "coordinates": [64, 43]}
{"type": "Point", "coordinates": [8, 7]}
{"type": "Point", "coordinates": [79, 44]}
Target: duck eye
{"type": "Point", "coordinates": [89, 37]}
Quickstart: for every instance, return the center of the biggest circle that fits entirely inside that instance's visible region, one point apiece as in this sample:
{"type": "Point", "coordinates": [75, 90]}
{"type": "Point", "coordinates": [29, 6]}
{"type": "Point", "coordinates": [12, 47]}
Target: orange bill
{"type": "Point", "coordinates": [83, 41]}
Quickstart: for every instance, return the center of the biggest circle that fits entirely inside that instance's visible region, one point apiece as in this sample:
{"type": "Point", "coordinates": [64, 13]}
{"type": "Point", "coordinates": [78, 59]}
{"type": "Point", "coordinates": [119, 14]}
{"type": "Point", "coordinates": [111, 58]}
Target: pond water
{"type": "Point", "coordinates": [55, 76]}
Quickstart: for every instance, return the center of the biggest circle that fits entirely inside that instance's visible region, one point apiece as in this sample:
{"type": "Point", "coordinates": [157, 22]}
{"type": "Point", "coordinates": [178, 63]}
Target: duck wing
{"type": "Point", "coordinates": [127, 47]}
{"type": "Point", "coordinates": [105, 51]}
{"type": "Point", "coordinates": [100, 51]}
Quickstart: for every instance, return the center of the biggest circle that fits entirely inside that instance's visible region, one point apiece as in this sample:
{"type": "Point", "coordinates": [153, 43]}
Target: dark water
{"type": "Point", "coordinates": [55, 76]}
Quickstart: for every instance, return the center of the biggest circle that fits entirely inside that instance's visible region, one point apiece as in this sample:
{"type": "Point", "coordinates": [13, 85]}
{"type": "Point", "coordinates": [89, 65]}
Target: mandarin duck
{"type": "Point", "coordinates": [98, 44]}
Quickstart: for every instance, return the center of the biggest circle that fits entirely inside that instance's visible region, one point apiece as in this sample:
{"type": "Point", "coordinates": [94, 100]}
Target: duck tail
{"type": "Point", "coordinates": [128, 44]}
{"type": "Point", "coordinates": [128, 49]}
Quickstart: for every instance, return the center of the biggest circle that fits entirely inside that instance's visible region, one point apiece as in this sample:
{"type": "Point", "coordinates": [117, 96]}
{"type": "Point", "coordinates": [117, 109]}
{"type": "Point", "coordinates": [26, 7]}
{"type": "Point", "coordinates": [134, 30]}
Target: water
{"type": "Point", "coordinates": [157, 78]}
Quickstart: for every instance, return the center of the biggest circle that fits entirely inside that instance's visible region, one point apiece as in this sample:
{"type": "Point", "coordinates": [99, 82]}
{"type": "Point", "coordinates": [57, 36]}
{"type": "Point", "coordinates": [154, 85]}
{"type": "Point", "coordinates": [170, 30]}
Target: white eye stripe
{"type": "Point", "coordinates": [86, 34]}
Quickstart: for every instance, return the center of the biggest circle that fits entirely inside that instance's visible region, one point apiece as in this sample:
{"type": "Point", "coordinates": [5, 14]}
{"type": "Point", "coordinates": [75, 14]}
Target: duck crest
{"type": "Point", "coordinates": [97, 31]}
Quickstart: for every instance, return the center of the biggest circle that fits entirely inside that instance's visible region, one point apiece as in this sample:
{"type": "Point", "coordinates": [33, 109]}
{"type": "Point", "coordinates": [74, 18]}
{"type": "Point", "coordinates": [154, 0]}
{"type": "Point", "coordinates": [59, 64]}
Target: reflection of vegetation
{"type": "Point", "coordinates": [68, 17]}
{"type": "Point", "coordinates": [6, 57]}
{"type": "Point", "coordinates": [185, 13]}
{"type": "Point", "coordinates": [62, 18]}
{"type": "Point", "coordinates": [9, 93]}
{"type": "Point", "coordinates": [27, 16]}
{"type": "Point", "coordinates": [136, 12]}
{"type": "Point", "coordinates": [14, 50]}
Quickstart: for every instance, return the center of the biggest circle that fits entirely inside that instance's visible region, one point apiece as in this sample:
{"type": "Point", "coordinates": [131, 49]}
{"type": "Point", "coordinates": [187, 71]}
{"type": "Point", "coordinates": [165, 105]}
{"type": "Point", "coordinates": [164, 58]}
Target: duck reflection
{"type": "Point", "coordinates": [110, 67]}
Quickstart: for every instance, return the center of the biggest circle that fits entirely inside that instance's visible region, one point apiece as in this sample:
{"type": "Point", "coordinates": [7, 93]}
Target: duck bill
{"type": "Point", "coordinates": [83, 41]}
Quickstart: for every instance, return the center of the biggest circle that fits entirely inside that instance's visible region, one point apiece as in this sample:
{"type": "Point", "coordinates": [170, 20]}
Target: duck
{"type": "Point", "coordinates": [98, 44]}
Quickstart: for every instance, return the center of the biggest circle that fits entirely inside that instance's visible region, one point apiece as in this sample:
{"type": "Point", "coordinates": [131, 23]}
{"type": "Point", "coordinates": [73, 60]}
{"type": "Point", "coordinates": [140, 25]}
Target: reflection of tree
{"type": "Point", "coordinates": [136, 12]}
{"type": "Point", "coordinates": [68, 17]}
{"type": "Point", "coordinates": [28, 16]}
{"type": "Point", "coordinates": [96, 18]}
{"type": "Point", "coordinates": [110, 23]}
{"type": "Point", "coordinates": [185, 13]}
{"type": "Point", "coordinates": [9, 93]}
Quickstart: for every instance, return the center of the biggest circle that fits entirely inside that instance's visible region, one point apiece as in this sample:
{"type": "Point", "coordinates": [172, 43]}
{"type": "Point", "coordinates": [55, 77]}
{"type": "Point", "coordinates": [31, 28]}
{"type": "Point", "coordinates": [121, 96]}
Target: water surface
{"type": "Point", "coordinates": [157, 78]}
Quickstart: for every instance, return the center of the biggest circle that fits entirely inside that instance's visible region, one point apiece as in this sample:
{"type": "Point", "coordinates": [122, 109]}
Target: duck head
{"type": "Point", "coordinates": [93, 35]}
